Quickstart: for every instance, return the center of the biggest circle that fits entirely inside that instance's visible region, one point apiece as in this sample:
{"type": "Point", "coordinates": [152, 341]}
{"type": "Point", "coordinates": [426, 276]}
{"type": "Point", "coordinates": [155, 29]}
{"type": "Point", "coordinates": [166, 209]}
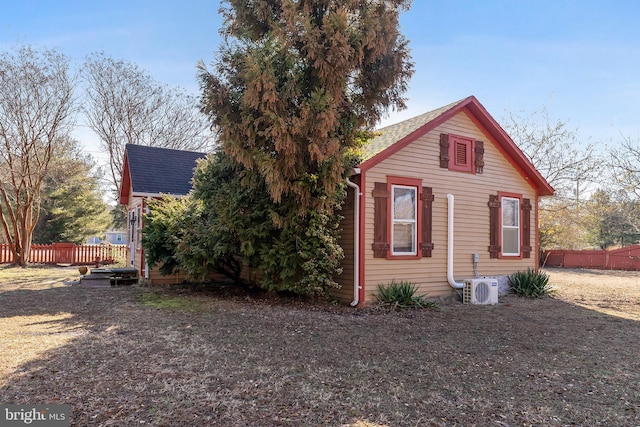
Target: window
{"type": "Point", "coordinates": [402, 225]}
{"type": "Point", "coordinates": [509, 226]}
{"type": "Point", "coordinates": [403, 220]}
{"type": "Point", "coordinates": [510, 220]}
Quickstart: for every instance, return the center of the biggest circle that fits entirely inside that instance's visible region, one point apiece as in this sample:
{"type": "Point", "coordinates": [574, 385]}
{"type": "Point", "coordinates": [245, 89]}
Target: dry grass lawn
{"type": "Point", "coordinates": [139, 356]}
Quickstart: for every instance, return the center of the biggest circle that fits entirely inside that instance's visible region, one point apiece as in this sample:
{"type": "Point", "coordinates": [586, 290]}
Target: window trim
{"type": "Point", "coordinates": [416, 185]}
{"type": "Point", "coordinates": [501, 227]}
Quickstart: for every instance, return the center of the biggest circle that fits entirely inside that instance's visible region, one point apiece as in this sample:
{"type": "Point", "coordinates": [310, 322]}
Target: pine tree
{"type": "Point", "coordinates": [72, 206]}
{"type": "Point", "coordinates": [295, 83]}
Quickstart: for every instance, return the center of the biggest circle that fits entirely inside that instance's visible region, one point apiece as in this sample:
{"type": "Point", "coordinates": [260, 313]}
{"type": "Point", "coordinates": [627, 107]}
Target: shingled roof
{"type": "Point", "coordinates": [391, 134]}
{"type": "Point", "coordinates": [151, 171]}
{"type": "Point", "coordinates": [395, 137]}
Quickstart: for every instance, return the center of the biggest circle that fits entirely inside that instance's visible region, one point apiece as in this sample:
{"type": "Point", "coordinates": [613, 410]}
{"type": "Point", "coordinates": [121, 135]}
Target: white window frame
{"type": "Point", "coordinates": [404, 221]}
{"type": "Point", "coordinates": [504, 227]}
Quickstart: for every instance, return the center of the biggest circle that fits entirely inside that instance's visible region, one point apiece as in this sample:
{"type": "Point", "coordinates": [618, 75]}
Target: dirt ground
{"type": "Point", "coordinates": [136, 356]}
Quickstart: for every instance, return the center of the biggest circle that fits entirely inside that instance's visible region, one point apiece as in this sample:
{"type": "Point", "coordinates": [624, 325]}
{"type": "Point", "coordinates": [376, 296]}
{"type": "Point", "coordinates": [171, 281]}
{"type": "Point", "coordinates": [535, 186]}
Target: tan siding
{"type": "Point", "coordinates": [155, 278]}
{"type": "Point", "coordinates": [471, 222]}
{"type": "Point", "coordinates": [345, 280]}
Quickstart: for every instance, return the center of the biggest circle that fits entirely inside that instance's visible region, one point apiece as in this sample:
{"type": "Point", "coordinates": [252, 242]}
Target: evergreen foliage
{"type": "Point", "coordinates": [164, 231]}
{"type": "Point", "coordinates": [229, 221]}
{"type": "Point", "coordinates": [295, 83]}
{"type": "Point", "coordinates": [296, 87]}
{"type": "Point", "coordinates": [71, 208]}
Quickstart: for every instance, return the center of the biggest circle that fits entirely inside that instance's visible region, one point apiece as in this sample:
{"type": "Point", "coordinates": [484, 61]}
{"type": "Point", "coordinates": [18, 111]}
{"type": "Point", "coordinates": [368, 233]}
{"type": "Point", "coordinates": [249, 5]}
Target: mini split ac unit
{"type": "Point", "coordinates": [480, 291]}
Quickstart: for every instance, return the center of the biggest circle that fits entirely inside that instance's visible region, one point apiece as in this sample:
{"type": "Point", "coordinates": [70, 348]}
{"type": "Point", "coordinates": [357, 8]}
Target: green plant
{"type": "Point", "coordinates": [400, 295]}
{"type": "Point", "coordinates": [530, 283]}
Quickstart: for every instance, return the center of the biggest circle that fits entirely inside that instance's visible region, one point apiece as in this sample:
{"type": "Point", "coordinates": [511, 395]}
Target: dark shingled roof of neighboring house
{"type": "Point", "coordinates": [155, 170]}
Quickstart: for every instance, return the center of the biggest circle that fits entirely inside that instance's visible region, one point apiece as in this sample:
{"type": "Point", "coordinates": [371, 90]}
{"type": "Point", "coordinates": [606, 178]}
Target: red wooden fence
{"type": "Point", "coordinates": [627, 258]}
{"type": "Point", "coordinates": [69, 253]}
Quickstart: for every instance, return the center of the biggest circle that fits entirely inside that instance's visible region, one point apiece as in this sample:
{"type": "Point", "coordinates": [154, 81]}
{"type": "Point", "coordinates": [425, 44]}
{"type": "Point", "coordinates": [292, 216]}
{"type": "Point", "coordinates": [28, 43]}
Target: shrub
{"type": "Point", "coordinates": [530, 284]}
{"type": "Point", "coordinates": [401, 295]}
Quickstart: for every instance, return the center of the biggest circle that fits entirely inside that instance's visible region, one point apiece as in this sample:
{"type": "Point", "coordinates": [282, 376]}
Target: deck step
{"type": "Point", "coordinates": [95, 282]}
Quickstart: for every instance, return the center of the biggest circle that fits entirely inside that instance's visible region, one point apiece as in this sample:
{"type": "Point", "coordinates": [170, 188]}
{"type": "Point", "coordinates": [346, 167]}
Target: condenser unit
{"type": "Point", "coordinates": [480, 291]}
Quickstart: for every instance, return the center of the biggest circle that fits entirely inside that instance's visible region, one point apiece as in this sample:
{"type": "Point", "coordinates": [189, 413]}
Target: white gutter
{"type": "Point", "coordinates": [356, 243]}
{"type": "Point", "coordinates": [452, 281]}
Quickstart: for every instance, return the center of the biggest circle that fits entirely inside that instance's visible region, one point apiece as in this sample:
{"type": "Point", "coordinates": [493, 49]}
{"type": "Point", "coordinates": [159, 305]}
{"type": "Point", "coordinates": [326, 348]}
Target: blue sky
{"type": "Point", "coordinates": [579, 59]}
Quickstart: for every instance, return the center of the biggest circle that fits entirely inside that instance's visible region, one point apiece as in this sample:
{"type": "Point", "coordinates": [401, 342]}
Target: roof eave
{"type": "Point", "coordinates": [125, 182]}
{"type": "Point", "coordinates": [511, 149]}
{"type": "Point", "coordinates": [489, 125]}
{"type": "Point", "coordinates": [408, 139]}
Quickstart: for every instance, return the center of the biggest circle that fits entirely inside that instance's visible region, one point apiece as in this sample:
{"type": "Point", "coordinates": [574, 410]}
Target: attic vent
{"type": "Point", "coordinates": [461, 154]}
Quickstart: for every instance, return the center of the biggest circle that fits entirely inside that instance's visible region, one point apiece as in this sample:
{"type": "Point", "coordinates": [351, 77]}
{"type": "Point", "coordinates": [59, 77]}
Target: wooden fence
{"type": "Point", "coordinates": [627, 258]}
{"type": "Point", "coordinates": [69, 253]}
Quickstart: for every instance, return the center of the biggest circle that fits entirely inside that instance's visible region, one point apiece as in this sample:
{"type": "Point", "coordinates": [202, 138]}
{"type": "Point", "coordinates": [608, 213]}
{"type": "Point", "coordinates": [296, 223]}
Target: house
{"type": "Point", "coordinates": [439, 198]}
{"type": "Point", "coordinates": [150, 172]}
{"type": "Point", "coordinates": [116, 237]}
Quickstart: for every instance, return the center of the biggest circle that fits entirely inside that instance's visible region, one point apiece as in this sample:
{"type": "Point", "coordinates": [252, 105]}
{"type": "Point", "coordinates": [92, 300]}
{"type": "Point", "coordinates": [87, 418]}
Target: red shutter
{"type": "Point", "coordinates": [380, 195]}
{"type": "Point", "coordinates": [526, 228]}
{"type": "Point", "coordinates": [494, 224]}
{"type": "Point", "coordinates": [444, 150]}
{"type": "Point", "coordinates": [426, 245]}
{"type": "Point", "coordinates": [479, 151]}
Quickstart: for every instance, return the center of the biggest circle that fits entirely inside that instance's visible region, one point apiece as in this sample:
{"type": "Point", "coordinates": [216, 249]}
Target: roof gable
{"type": "Point", "coordinates": [395, 137]}
{"type": "Point", "coordinates": [154, 171]}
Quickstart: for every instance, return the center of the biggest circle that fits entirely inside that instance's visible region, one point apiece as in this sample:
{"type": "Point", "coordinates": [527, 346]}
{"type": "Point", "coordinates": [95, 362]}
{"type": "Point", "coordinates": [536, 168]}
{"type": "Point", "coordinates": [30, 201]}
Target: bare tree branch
{"type": "Point", "coordinates": [555, 150]}
{"type": "Point", "coordinates": [126, 106]}
{"type": "Point", "coordinates": [36, 113]}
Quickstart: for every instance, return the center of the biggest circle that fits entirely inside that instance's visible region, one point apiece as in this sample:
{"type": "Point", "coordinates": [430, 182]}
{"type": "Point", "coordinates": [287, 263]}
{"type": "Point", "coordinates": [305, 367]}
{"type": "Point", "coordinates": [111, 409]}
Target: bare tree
{"type": "Point", "coordinates": [568, 164]}
{"type": "Point", "coordinates": [36, 114]}
{"type": "Point", "coordinates": [556, 151]}
{"type": "Point", "coordinates": [124, 105]}
{"type": "Point", "coordinates": [625, 163]}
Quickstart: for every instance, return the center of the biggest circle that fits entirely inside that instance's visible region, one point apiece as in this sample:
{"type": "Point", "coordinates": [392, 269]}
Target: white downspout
{"type": "Point", "coordinates": [356, 244]}
{"type": "Point", "coordinates": [452, 281]}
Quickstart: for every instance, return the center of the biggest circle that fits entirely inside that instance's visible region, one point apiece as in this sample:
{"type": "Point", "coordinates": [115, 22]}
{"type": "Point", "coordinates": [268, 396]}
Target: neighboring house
{"type": "Point", "coordinates": [454, 160]}
{"type": "Point", "coordinates": [113, 237]}
{"type": "Point", "coordinates": [116, 237]}
{"type": "Point", "coordinates": [150, 172]}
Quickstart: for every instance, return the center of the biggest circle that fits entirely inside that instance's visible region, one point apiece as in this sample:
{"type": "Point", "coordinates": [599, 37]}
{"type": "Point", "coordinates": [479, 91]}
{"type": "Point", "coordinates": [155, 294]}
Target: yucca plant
{"type": "Point", "coordinates": [530, 284]}
{"type": "Point", "coordinates": [398, 295]}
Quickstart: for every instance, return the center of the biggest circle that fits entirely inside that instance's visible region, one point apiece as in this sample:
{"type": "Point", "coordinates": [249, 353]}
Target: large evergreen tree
{"type": "Point", "coordinates": [297, 80]}
{"type": "Point", "coordinates": [296, 87]}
